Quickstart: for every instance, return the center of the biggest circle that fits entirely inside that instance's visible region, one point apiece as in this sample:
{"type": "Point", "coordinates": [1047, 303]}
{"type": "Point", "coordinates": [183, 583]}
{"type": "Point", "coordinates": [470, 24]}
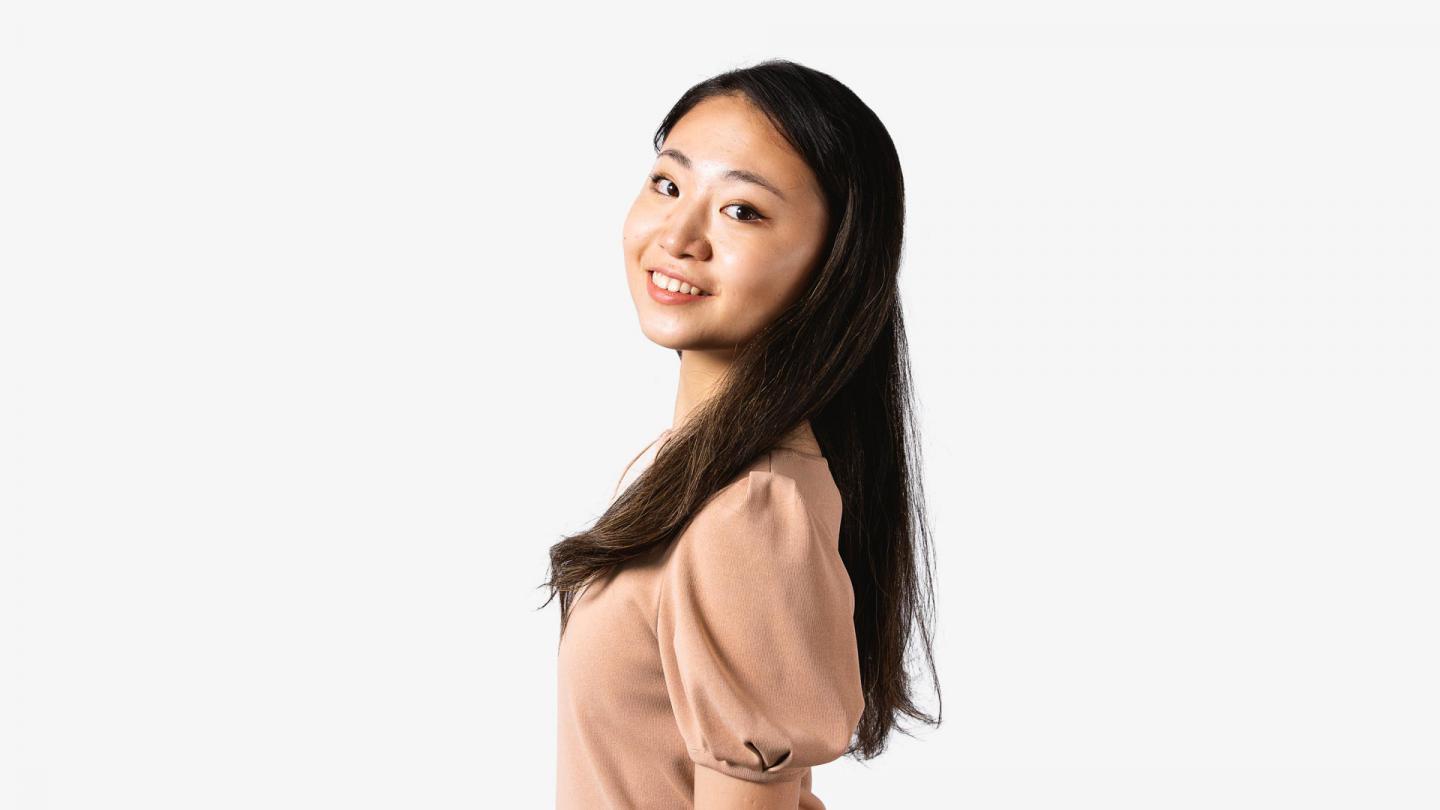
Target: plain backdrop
{"type": "Point", "coordinates": [314, 338]}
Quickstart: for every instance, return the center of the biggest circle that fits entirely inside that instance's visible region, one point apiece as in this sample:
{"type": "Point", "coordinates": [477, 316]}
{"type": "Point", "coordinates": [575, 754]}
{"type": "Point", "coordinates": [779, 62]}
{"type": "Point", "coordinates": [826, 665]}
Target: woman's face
{"type": "Point", "coordinates": [731, 209]}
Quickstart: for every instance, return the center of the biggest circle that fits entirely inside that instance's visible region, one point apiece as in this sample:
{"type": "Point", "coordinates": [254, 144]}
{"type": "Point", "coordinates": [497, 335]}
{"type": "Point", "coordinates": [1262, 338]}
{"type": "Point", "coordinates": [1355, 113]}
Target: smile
{"type": "Point", "coordinates": [659, 282]}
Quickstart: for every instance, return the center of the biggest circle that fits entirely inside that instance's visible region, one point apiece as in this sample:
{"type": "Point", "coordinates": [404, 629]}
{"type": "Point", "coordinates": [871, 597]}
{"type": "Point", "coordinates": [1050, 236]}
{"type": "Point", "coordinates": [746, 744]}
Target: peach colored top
{"type": "Point", "coordinates": [731, 648]}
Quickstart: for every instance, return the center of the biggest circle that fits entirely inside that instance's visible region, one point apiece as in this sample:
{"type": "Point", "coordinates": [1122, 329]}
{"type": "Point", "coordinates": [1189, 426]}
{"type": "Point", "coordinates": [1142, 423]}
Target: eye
{"type": "Point", "coordinates": [744, 207]}
{"type": "Point", "coordinates": [655, 178]}
{"type": "Point", "coordinates": [756, 216]}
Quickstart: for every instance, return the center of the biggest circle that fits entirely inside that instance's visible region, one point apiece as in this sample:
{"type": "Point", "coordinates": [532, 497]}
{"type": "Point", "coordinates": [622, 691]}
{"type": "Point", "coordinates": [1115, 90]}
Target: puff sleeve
{"type": "Point", "coordinates": [756, 635]}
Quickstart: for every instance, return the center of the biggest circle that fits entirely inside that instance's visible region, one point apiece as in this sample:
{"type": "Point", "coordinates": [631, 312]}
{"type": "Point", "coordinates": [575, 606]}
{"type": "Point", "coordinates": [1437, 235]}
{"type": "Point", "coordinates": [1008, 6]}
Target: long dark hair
{"type": "Point", "coordinates": [837, 357]}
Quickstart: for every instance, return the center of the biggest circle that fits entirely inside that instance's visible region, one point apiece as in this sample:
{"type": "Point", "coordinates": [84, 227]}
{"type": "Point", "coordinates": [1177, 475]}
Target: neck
{"type": "Point", "coordinates": [700, 375]}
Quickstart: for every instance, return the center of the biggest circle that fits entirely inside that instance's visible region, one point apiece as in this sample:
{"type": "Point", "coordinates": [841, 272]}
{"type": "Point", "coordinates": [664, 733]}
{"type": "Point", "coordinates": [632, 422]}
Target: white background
{"type": "Point", "coordinates": [314, 338]}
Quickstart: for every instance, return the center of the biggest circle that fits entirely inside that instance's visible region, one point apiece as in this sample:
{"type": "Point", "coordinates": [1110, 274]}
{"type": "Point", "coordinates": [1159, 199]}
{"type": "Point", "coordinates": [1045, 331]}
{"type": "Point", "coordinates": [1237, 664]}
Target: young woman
{"type": "Point", "coordinates": [744, 605]}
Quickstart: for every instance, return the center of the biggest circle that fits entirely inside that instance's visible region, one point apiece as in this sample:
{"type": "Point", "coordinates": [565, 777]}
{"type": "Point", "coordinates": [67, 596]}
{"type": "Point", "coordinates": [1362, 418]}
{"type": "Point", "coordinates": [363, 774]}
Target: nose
{"type": "Point", "coordinates": [683, 233]}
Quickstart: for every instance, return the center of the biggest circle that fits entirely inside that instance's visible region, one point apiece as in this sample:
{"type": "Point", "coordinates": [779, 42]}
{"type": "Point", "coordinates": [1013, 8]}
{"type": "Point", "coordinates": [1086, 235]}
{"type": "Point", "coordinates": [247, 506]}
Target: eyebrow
{"type": "Point", "coordinates": [732, 174]}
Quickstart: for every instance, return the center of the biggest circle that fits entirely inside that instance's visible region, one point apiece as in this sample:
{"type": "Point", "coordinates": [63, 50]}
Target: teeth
{"type": "Point", "coordinates": [665, 282]}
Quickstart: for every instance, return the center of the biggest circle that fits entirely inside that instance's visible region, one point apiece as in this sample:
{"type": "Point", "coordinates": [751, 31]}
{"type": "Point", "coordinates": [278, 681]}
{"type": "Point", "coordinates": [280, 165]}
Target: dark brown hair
{"type": "Point", "coordinates": [837, 357]}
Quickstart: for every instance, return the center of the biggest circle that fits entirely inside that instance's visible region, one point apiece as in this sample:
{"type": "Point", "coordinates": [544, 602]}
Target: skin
{"type": "Point", "coordinates": [753, 250]}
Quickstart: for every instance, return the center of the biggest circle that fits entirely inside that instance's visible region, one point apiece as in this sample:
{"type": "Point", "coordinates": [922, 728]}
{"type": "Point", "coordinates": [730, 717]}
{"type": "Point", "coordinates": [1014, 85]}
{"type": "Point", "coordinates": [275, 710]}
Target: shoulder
{"type": "Point", "coordinates": [806, 476]}
{"type": "Point", "coordinates": [781, 505]}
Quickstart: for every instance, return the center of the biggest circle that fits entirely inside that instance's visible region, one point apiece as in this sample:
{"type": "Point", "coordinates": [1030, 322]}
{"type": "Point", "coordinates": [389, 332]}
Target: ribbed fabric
{"type": "Point", "coordinates": [732, 648]}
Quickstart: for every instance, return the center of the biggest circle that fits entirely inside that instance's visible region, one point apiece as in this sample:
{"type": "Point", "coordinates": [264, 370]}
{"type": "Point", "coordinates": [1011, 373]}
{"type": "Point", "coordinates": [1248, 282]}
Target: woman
{"type": "Point", "coordinates": [744, 605]}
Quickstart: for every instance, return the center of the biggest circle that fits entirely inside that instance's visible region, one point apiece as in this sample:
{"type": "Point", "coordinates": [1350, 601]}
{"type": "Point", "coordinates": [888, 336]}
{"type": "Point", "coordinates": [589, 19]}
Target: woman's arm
{"type": "Point", "coordinates": [717, 791]}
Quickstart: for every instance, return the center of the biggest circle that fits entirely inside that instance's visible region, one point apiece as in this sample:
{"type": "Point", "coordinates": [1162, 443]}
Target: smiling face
{"type": "Point", "coordinates": [732, 209]}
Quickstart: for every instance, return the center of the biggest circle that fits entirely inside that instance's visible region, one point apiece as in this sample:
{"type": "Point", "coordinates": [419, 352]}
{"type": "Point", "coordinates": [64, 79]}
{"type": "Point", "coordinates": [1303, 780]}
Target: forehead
{"type": "Point", "coordinates": [726, 132]}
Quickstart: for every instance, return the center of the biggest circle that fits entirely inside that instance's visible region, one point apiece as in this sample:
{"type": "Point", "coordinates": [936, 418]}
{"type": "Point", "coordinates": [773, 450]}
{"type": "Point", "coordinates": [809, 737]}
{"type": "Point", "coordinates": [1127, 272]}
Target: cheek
{"type": "Point", "coordinates": [638, 226]}
{"type": "Point", "coordinates": [757, 290]}
{"type": "Point", "coordinates": [774, 277]}
{"type": "Point", "coordinates": [627, 228]}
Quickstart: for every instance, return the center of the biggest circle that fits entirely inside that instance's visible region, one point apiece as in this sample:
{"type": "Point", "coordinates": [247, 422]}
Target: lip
{"type": "Point", "coordinates": [664, 296]}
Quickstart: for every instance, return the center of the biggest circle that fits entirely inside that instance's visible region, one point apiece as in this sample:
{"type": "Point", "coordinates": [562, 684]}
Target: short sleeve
{"type": "Point", "coordinates": [757, 637]}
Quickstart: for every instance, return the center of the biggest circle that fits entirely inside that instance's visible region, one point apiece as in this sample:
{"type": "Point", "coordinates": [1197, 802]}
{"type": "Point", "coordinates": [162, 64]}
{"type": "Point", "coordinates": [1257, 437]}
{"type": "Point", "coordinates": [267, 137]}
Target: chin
{"type": "Point", "coordinates": [666, 341]}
